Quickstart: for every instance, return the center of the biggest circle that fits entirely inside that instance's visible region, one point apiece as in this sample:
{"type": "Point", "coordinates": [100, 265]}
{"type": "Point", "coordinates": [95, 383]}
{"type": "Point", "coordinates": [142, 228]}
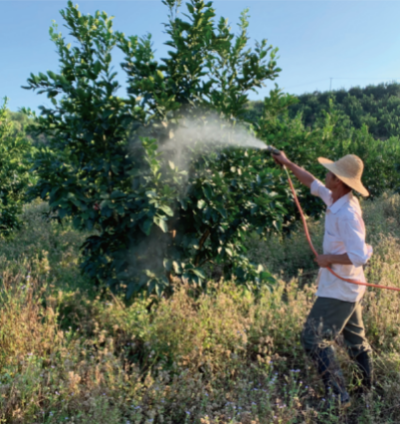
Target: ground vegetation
{"type": "Point", "coordinates": [227, 356]}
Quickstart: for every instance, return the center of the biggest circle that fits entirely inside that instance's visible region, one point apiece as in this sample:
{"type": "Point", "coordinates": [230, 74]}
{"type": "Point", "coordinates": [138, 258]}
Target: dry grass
{"type": "Point", "coordinates": [228, 356]}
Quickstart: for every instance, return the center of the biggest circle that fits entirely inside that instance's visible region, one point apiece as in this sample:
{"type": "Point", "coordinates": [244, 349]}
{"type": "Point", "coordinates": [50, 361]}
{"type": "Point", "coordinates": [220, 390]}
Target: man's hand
{"type": "Point", "coordinates": [303, 176]}
{"type": "Point", "coordinates": [281, 159]}
{"type": "Point", "coordinates": [324, 261]}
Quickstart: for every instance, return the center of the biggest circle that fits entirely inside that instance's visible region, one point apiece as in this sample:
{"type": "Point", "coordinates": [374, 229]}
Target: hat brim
{"type": "Point", "coordinates": [351, 182]}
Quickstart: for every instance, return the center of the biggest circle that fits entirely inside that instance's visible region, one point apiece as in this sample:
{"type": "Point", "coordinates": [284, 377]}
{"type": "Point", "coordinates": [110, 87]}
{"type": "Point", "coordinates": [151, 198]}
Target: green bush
{"type": "Point", "coordinates": [104, 165]}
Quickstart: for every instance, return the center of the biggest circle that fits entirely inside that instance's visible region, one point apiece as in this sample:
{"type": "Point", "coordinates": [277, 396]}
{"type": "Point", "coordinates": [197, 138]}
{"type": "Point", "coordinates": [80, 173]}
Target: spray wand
{"type": "Point", "coordinates": [273, 150]}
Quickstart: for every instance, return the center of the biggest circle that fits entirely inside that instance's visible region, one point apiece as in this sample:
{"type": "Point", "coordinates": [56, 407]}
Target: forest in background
{"type": "Point", "coordinates": [376, 106]}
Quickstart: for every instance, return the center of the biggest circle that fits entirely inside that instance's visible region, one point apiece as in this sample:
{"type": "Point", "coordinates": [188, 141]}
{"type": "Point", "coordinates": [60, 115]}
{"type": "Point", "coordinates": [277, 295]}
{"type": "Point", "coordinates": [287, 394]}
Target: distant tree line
{"type": "Point", "coordinates": [375, 106]}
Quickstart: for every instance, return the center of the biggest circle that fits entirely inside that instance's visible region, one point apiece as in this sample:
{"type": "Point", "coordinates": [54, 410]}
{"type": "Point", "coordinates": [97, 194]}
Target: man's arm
{"type": "Point", "coordinates": [325, 261]}
{"type": "Point", "coordinates": [301, 174]}
{"type": "Point", "coordinates": [352, 233]}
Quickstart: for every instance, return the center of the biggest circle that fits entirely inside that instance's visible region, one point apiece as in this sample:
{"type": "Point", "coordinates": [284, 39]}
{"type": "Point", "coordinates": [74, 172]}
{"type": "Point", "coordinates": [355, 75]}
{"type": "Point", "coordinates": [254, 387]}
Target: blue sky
{"type": "Point", "coordinates": [355, 43]}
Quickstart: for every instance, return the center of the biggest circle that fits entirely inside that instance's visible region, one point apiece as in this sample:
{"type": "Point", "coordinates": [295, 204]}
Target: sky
{"type": "Point", "coordinates": [322, 44]}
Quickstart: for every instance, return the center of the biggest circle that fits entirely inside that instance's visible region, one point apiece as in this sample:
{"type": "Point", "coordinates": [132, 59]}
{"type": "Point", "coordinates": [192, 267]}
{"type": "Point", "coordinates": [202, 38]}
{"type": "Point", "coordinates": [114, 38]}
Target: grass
{"type": "Point", "coordinates": [228, 356]}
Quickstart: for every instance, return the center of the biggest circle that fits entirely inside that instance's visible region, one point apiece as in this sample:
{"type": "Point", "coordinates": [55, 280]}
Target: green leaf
{"type": "Point", "coordinates": [146, 226]}
{"type": "Point", "coordinates": [161, 223]}
{"type": "Point", "coordinates": [117, 194]}
{"type": "Point", "coordinates": [201, 204]}
{"type": "Point", "coordinates": [190, 8]}
{"type": "Point", "coordinates": [266, 276]}
{"type": "Point", "coordinates": [167, 210]}
{"type": "Point", "coordinates": [177, 267]}
{"type": "Point", "coordinates": [151, 193]}
{"type": "Point", "coordinates": [207, 190]}
{"type": "Point", "coordinates": [222, 211]}
{"type": "Point", "coordinates": [199, 272]}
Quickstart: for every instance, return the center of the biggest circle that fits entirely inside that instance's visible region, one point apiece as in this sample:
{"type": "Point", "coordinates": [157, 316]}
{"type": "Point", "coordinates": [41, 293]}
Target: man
{"type": "Point", "coordinates": [337, 309]}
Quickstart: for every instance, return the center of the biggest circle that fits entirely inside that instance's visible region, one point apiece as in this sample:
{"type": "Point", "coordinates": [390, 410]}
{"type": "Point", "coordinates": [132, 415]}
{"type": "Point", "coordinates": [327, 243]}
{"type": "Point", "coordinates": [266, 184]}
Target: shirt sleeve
{"type": "Point", "coordinates": [353, 236]}
{"type": "Point", "coordinates": [318, 189]}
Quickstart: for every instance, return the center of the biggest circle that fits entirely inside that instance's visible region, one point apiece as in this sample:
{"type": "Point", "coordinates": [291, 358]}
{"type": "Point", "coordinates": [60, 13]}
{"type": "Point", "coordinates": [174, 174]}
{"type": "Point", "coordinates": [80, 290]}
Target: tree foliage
{"type": "Point", "coordinates": [104, 165]}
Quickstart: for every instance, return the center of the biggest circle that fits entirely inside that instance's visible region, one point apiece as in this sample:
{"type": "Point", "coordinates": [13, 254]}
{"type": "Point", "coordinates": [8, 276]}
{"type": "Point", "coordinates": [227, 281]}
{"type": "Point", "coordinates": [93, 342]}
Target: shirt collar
{"type": "Point", "coordinates": [341, 202]}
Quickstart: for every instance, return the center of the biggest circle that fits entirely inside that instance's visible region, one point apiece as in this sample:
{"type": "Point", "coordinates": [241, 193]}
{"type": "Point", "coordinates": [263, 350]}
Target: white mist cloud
{"type": "Point", "coordinates": [210, 134]}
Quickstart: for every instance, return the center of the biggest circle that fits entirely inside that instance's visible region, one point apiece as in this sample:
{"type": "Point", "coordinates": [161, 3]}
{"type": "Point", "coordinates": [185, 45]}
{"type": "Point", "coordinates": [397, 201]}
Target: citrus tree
{"type": "Point", "coordinates": [108, 162]}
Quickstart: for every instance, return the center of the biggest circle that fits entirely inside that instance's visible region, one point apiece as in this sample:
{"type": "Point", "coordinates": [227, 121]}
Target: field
{"type": "Point", "coordinates": [69, 354]}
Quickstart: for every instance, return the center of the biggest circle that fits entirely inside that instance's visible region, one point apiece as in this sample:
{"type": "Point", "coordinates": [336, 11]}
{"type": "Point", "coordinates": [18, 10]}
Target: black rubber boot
{"type": "Point", "coordinates": [364, 363]}
{"type": "Point", "coordinates": [331, 374]}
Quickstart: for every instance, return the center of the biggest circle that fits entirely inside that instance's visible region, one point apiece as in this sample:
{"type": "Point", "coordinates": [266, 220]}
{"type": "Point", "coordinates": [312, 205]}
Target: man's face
{"type": "Point", "coordinates": [331, 181]}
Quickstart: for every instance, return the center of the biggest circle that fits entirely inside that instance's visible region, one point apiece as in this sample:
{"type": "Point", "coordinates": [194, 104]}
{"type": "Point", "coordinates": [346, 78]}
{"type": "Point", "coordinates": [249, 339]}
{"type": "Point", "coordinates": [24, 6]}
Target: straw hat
{"type": "Point", "coordinates": [349, 170]}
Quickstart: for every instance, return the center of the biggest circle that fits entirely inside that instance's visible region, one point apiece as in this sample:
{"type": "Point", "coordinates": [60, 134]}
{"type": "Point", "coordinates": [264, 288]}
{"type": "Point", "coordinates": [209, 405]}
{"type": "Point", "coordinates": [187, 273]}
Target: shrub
{"type": "Point", "coordinates": [104, 164]}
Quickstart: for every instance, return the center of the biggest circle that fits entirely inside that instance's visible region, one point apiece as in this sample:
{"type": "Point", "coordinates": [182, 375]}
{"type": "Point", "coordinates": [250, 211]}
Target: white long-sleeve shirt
{"type": "Point", "coordinates": [344, 233]}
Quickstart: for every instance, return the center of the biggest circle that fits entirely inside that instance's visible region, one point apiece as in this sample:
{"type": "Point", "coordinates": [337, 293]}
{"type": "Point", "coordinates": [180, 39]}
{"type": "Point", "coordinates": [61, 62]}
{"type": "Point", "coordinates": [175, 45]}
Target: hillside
{"type": "Point", "coordinates": [376, 106]}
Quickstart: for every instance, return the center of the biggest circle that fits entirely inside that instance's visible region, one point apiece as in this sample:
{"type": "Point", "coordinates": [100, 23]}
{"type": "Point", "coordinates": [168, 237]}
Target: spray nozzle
{"type": "Point", "coordinates": [273, 150]}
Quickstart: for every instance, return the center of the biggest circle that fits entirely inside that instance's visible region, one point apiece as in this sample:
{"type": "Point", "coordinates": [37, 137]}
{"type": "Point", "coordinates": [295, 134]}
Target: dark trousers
{"type": "Point", "coordinates": [330, 317]}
